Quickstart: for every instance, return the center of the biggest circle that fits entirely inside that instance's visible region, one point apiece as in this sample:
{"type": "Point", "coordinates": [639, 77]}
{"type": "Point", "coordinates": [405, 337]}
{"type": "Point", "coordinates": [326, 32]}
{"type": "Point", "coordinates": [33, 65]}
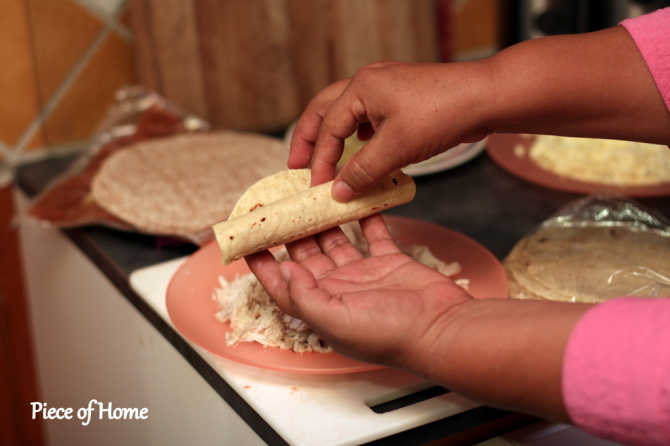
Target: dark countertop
{"type": "Point", "coordinates": [478, 199]}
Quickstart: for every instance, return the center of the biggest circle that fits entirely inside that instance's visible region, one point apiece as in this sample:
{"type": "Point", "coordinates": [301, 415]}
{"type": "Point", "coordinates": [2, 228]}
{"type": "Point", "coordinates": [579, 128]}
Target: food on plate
{"type": "Point", "coordinates": [282, 208]}
{"type": "Point", "coordinates": [589, 264]}
{"type": "Point", "coordinates": [610, 162]}
{"type": "Point", "coordinates": [182, 184]}
{"type": "Point", "coordinates": [253, 316]}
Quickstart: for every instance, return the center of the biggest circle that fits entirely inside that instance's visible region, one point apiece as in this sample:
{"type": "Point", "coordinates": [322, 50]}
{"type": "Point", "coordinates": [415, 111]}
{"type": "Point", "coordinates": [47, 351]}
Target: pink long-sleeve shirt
{"type": "Point", "coordinates": [616, 369]}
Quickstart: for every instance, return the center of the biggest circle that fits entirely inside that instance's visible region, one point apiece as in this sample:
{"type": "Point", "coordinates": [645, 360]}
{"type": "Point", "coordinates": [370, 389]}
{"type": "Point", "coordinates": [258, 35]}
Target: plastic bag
{"type": "Point", "coordinates": [596, 248]}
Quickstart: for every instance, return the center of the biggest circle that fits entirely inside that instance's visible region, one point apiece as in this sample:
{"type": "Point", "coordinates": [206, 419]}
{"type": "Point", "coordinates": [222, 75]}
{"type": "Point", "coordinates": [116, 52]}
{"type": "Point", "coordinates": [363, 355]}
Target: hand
{"type": "Point", "coordinates": [540, 86]}
{"type": "Point", "coordinates": [386, 309]}
{"type": "Point", "coordinates": [415, 111]}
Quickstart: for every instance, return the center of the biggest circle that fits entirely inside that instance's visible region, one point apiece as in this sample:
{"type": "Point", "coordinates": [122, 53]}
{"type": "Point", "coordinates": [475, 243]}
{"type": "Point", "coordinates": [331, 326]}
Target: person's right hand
{"type": "Point", "coordinates": [416, 111]}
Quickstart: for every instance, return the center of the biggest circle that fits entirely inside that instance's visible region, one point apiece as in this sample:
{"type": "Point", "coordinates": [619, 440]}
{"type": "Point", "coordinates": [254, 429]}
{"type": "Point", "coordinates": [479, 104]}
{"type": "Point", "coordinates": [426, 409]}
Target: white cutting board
{"type": "Point", "coordinates": [323, 410]}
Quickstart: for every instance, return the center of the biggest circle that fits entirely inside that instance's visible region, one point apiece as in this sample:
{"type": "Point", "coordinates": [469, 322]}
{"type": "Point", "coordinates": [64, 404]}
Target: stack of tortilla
{"type": "Point", "coordinates": [184, 184]}
{"type": "Point", "coordinates": [589, 264]}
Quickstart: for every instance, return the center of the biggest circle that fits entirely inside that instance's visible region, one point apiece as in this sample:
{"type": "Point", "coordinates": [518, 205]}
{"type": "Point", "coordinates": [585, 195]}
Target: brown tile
{"type": "Point", "coordinates": [19, 104]}
{"type": "Point", "coordinates": [125, 18]}
{"type": "Point", "coordinates": [62, 30]}
{"type": "Point", "coordinates": [89, 98]}
{"type": "Point", "coordinates": [35, 143]}
{"type": "Point", "coordinates": [476, 26]}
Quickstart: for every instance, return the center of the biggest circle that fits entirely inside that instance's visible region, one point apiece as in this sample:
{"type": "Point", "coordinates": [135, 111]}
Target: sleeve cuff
{"type": "Point", "coordinates": [616, 371]}
{"type": "Point", "coordinates": [651, 33]}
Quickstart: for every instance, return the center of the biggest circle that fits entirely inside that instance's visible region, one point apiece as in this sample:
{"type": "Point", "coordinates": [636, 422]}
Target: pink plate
{"type": "Point", "coordinates": [192, 308]}
{"type": "Point", "coordinates": [501, 148]}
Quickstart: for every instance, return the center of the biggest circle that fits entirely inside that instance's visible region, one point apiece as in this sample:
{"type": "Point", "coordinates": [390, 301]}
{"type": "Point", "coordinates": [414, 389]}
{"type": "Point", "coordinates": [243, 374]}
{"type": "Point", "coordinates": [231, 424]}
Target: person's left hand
{"type": "Point", "coordinates": [387, 308]}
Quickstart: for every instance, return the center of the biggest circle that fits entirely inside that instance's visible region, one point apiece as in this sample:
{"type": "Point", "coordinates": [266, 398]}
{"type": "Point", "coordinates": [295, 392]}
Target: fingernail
{"type": "Point", "coordinates": [342, 191]}
{"type": "Point", "coordinates": [285, 272]}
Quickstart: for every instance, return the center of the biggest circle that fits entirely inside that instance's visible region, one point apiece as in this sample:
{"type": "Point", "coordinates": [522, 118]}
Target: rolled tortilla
{"type": "Point", "coordinates": [282, 208]}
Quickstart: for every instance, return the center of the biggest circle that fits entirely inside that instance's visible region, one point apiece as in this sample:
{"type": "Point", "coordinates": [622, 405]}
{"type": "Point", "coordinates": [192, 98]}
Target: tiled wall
{"type": "Point", "coordinates": [62, 62]}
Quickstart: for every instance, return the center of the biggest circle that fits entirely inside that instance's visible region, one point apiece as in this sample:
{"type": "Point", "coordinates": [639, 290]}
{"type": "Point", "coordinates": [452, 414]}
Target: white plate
{"type": "Point", "coordinates": [460, 154]}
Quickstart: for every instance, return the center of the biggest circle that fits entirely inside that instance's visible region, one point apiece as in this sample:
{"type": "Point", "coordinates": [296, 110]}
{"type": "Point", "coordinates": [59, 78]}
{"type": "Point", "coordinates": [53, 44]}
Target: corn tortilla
{"type": "Point", "coordinates": [587, 264]}
{"type": "Point", "coordinates": [283, 208]}
{"type": "Point", "coordinates": [183, 184]}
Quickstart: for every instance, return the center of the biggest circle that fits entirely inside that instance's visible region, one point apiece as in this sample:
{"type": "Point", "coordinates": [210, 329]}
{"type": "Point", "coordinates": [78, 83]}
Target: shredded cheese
{"type": "Point", "coordinates": [603, 161]}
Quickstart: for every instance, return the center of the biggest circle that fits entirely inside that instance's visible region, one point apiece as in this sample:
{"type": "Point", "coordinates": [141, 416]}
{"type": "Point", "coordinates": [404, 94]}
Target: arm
{"type": "Point", "coordinates": [392, 310]}
{"type": "Point", "coordinates": [508, 354]}
{"type": "Point", "coordinates": [592, 85]}
{"type": "Point", "coordinates": [604, 367]}
{"type": "Point", "coordinates": [519, 355]}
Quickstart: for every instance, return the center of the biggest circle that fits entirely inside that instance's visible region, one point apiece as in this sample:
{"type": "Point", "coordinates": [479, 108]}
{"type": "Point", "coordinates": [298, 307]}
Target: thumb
{"type": "Point", "coordinates": [374, 161]}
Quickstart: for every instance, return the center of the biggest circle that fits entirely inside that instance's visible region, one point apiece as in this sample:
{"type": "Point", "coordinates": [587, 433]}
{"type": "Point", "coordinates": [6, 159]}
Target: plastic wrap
{"type": "Point", "coordinates": [137, 115]}
{"type": "Point", "coordinates": [596, 248]}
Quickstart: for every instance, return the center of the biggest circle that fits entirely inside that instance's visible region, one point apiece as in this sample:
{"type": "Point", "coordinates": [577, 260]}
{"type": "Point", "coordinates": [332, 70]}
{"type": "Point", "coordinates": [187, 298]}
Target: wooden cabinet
{"type": "Point", "coordinates": [254, 65]}
{"type": "Point", "coordinates": [17, 373]}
